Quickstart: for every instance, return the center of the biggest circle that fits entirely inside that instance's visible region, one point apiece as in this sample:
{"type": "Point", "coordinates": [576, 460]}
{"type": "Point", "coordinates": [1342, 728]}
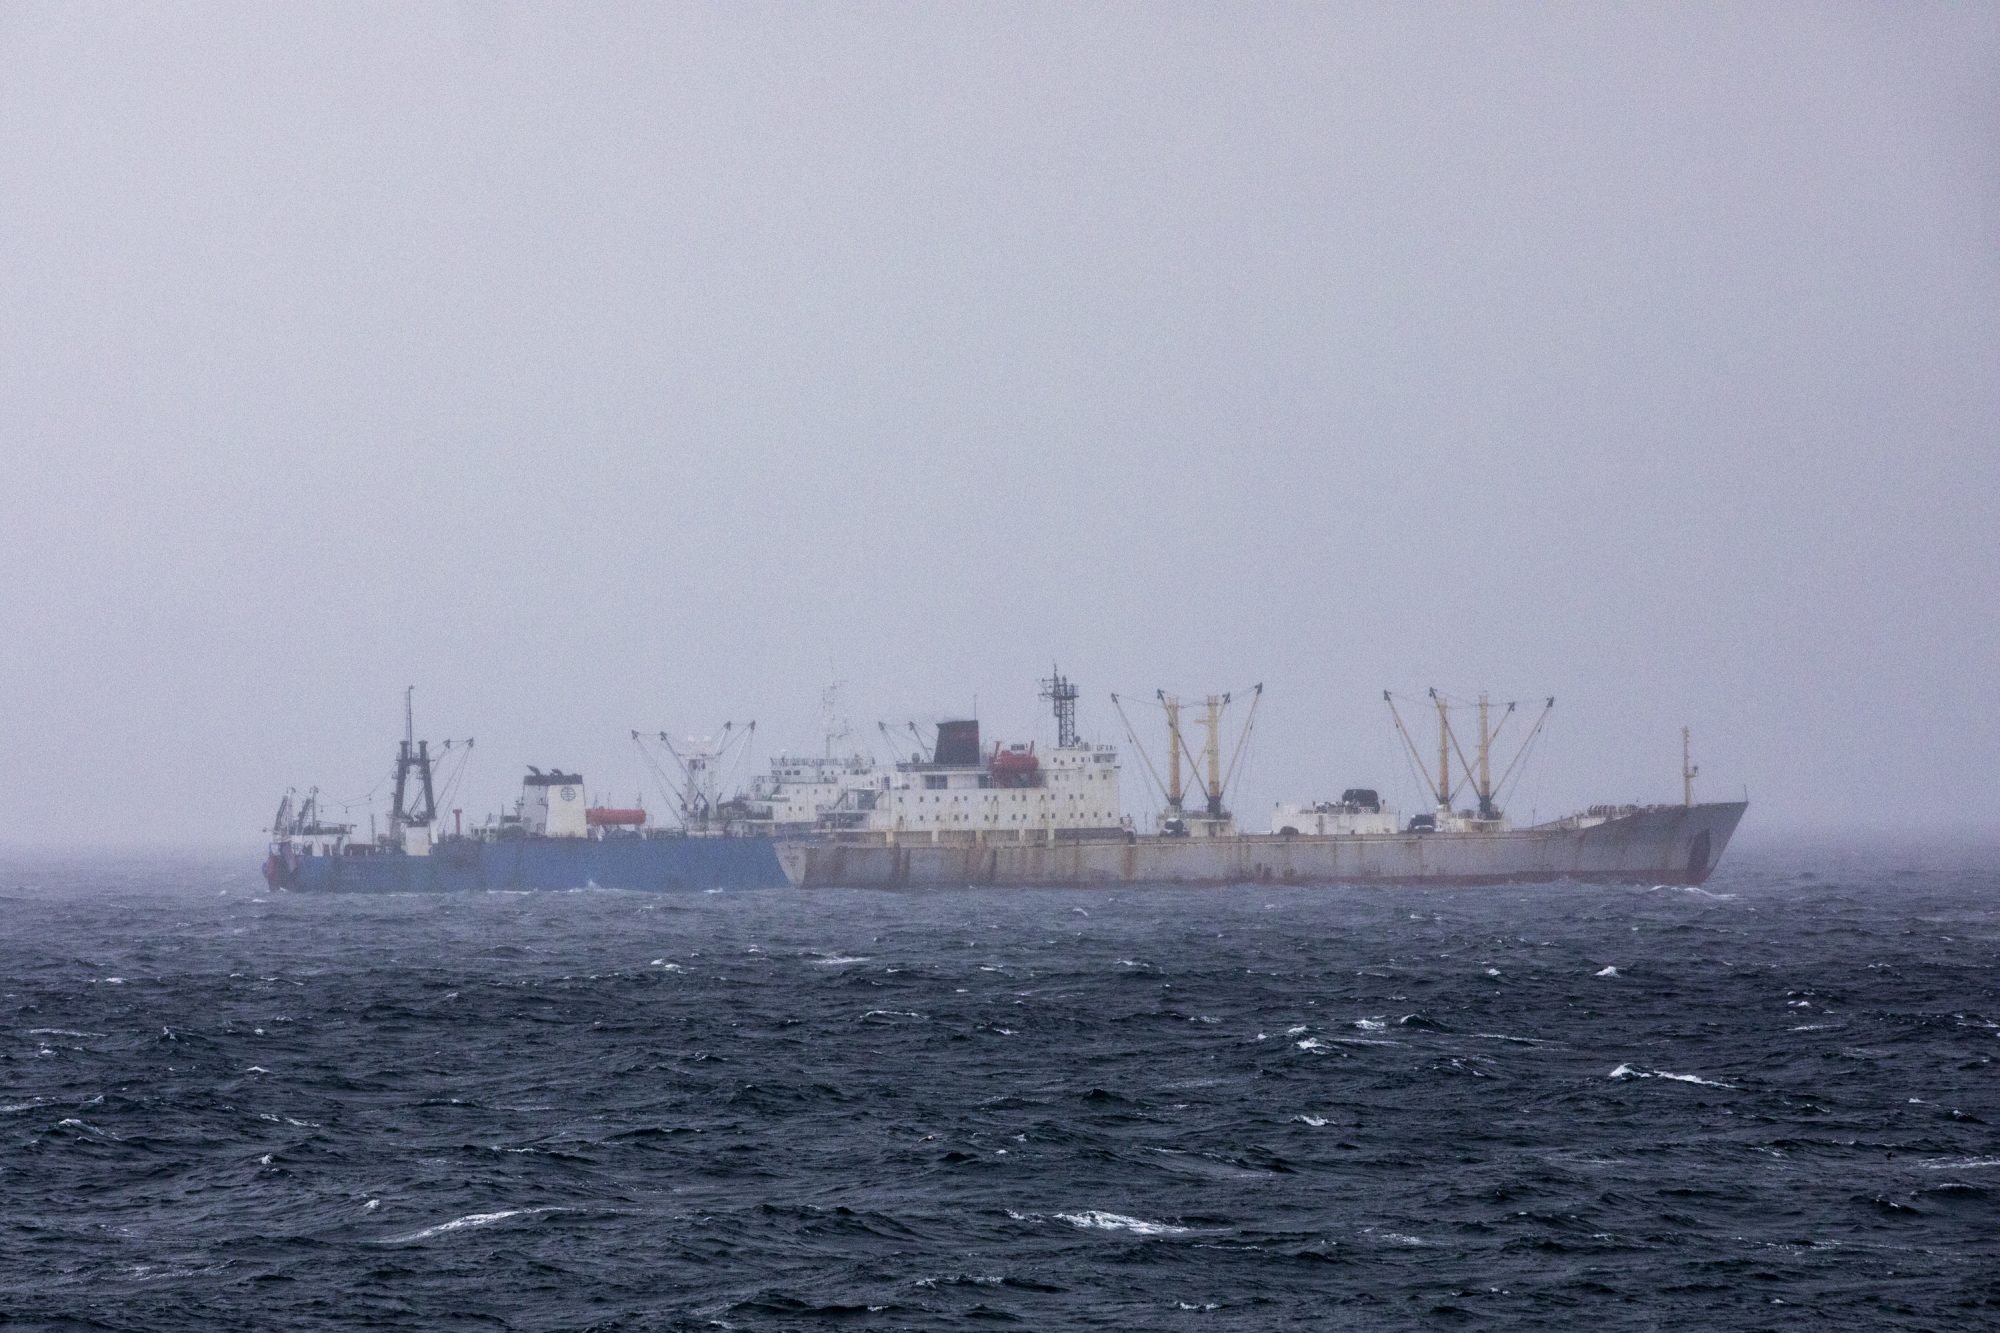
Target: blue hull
{"type": "Point", "coordinates": [463, 865]}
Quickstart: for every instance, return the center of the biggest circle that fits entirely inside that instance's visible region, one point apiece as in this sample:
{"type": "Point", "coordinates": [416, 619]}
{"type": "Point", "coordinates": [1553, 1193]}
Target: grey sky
{"type": "Point", "coordinates": [611, 367]}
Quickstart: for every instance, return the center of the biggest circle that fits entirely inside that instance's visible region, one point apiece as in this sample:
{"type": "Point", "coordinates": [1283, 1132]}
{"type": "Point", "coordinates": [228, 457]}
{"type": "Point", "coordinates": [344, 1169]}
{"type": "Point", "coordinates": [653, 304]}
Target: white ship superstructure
{"type": "Point", "coordinates": [805, 794]}
{"type": "Point", "coordinates": [1008, 793]}
{"type": "Point", "coordinates": [1358, 813]}
{"type": "Point", "coordinates": [964, 792]}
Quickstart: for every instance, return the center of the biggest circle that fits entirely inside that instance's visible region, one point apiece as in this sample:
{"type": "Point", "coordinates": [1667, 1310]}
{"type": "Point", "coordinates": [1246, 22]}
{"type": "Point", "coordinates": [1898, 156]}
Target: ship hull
{"type": "Point", "coordinates": [525, 864]}
{"type": "Point", "coordinates": [1662, 845]}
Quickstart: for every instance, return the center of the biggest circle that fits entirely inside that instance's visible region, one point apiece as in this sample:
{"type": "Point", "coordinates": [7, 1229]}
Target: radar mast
{"type": "Point", "coordinates": [1061, 694]}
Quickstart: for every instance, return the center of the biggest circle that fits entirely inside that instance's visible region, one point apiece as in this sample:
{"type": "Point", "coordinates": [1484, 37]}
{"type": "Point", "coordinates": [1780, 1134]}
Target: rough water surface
{"type": "Point", "coordinates": [1772, 1102]}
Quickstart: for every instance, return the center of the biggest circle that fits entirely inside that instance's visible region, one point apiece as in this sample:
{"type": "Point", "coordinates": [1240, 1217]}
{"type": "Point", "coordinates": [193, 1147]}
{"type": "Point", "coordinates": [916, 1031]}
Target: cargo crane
{"type": "Point", "coordinates": [1476, 771]}
{"type": "Point", "coordinates": [1213, 780]}
{"type": "Point", "coordinates": [704, 766]}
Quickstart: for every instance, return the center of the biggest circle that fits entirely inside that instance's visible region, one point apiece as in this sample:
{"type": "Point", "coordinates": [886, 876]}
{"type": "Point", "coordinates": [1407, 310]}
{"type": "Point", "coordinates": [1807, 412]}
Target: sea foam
{"type": "Point", "coordinates": [1097, 1220]}
{"type": "Point", "coordinates": [470, 1220]}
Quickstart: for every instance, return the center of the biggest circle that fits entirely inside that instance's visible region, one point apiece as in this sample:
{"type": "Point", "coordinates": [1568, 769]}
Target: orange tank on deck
{"type": "Point", "coordinates": [608, 816]}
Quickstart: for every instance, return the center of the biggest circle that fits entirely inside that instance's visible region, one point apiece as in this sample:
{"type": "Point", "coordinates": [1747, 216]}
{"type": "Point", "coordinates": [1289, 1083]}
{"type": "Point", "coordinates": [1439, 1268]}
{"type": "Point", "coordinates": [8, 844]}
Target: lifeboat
{"type": "Point", "coordinates": [1015, 766]}
{"type": "Point", "coordinates": [609, 816]}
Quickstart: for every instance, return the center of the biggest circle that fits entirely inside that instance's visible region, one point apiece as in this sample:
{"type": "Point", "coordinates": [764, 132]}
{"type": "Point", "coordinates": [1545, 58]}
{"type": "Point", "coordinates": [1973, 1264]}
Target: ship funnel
{"type": "Point", "coordinates": [553, 805]}
{"type": "Point", "coordinates": [957, 744]}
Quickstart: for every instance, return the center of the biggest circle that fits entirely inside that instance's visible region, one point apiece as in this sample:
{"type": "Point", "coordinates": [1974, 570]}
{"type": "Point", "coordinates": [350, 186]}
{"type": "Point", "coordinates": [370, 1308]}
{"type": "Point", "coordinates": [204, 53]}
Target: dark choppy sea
{"type": "Point", "coordinates": [1770, 1103]}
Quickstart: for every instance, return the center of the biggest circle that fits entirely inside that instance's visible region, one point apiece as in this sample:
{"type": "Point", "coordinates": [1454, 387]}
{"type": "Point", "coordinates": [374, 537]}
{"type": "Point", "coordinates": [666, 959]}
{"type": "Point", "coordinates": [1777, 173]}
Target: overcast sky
{"type": "Point", "coordinates": [602, 367]}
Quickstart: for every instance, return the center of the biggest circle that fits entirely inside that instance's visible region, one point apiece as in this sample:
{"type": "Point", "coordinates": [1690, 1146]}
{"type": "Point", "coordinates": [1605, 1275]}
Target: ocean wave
{"type": "Point", "coordinates": [1098, 1220]}
{"type": "Point", "coordinates": [465, 1223]}
{"type": "Point", "coordinates": [1627, 1071]}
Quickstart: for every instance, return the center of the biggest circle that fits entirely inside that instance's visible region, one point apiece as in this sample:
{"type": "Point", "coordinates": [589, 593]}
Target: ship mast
{"type": "Point", "coordinates": [1058, 690]}
{"type": "Point", "coordinates": [1477, 769]}
{"type": "Point", "coordinates": [1486, 810]}
{"type": "Point", "coordinates": [1444, 752]}
{"type": "Point", "coordinates": [1688, 770]}
{"type": "Point", "coordinates": [833, 722]}
{"type": "Point", "coordinates": [1208, 771]}
{"type": "Point", "coordinates": [413, 757]}
{"type": "Point", "coordinates": [1214, 755]}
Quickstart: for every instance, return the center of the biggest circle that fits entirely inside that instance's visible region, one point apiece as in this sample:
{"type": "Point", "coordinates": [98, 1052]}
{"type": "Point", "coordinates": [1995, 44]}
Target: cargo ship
{"type": "Point", "coordinates": [967, 815]}
{"type": "Point", "coordinates": [552, 839]}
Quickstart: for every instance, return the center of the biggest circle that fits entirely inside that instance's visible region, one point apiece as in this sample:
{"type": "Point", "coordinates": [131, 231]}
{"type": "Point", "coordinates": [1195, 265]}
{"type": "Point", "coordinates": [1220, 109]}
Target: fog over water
{"type": "Point", "coordinates": [622, 367]}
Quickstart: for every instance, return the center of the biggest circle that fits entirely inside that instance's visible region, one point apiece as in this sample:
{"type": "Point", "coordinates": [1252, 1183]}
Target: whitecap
{"type": "Point", "coordinates": [1311, 1044]}
{"type": "Point", "coordinates": [1297, 1031]}
{"type": "Point", "coordinates": [1608, 972]}
{"type": "Point", "coordinates": [1693, 1078]}
{"type": "Point", "coordinates": [61, 1032]}
{"type": "Point", "coordinates": [664, 965]}
{"type": "Point", "coordinates": [1370, 1024]}
{"type": "Point", "coordinates": [462, 1223]}
{"type": "Point", "coordinates": [114, 981]}
{"type": "Point", "coordinates": [1097, 1220]}
{"type": "Point", "coordinates": [892, 1013]}
{"type": "Point", "coordinates": [1959, 1163]}
{"type": "Point", "coordinates": [1316, 1121]}
{"type": "Point", "coordinates": [836, 960]}
{"type": "Point", "coordinates": [1396, 1237]}
{"type": "Point", "coordinates": [1627, 1071]}
{"type": "Point", "coordinates": [1492, 971]}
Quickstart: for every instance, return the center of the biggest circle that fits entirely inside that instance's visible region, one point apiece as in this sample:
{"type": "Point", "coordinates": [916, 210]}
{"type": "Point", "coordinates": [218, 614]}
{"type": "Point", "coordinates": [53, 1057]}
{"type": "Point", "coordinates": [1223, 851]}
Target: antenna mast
{"type": "Point", "coordinates": [1688, 770]}
{"type": "Point", "coordinates": [1058, 690]}
{"type": "Point", "coordinates": [832, 720]}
